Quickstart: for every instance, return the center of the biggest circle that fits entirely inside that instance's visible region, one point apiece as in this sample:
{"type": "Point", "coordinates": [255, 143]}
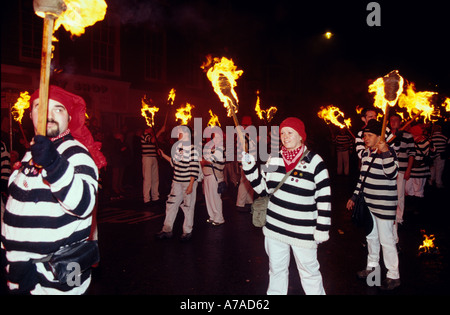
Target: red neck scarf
{"type": "Point", "coordinates": [291, 157]}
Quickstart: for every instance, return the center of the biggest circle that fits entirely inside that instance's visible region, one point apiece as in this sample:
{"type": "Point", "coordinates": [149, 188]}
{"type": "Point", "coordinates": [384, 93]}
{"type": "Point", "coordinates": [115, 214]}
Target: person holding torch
{"type": "Point", "coordinates": [52, 195]}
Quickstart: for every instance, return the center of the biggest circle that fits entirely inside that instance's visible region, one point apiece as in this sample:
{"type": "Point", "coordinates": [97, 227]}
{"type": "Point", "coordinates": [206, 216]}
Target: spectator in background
{"type": "Point", "coordinates": [343, 147]}
{"type": "Point", "coordinates": [440, 144]}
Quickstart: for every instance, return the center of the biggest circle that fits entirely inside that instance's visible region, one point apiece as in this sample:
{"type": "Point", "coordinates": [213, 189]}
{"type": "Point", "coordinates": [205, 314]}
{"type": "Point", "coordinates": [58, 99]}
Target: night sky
{"type": "Point", "coordinates": [413, 38]}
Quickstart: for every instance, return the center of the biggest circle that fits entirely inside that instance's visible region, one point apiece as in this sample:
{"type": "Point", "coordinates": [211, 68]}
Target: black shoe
{"type": "Point", "coordinates": [390, 284]}
{"type": "Point", "coordinates": [163, 235]}
{"type": "Point", "coordinates": [185, 237]}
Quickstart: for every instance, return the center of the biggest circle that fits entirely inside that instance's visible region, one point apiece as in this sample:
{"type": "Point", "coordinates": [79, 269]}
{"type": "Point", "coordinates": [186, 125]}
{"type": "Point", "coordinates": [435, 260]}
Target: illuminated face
{"type": "Point", "coordinates": [57, 118]}
{"type": "Point", "coordinates": [371, 139]}
{"type": "Point", "coordinates": [395, 122]}
{"type": "Point", "coordinates": [370, 114]}
{"type": "Point", "coordinates": [290, 138]}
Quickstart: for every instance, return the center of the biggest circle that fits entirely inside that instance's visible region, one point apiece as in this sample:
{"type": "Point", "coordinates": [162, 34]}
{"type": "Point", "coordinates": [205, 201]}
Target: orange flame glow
{"type": "Point", "coordinates": [184, 114]}
{"type": "Point", "coordinates": [331, 113]}
{"type": "Point", "coordinates": [148, 113]}
{"type": "Point", "coordinates": [416, 102]}
{"type": "Point", "coordinates": [269, 113]}
{"type": "Point", "coordinates": [214, 121]}
{"type": "Point", "coordinates": [81, 14]}
{"type": "Point", "coordinates": [447, 104]}
{"type": "Point", "coordinates": [171, 97]}
{"type": "Point", "coordinates": [428, 246]}
{"type": "Point", "coordinates": [23, 102]}
{"type": "Point", "coordinates": [223, 75]}
{"type": "Point", "coordinates": [380, 100]}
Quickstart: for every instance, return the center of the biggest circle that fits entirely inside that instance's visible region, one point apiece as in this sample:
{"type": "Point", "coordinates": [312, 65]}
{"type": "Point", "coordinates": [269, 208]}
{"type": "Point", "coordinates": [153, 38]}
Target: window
{"type": "Point", "coordinates": [155, 58]}
{"type": "Point", "coordinates": [31, 28]}
{"type": "Point", "coordinates": [105, 47]}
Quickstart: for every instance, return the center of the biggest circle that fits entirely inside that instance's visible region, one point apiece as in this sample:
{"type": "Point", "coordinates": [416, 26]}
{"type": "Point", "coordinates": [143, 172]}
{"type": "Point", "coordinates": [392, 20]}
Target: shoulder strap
{"type": "Point", "coordinates": [289, 173]}
{"type": "Point", "coordinates": [365, 176]}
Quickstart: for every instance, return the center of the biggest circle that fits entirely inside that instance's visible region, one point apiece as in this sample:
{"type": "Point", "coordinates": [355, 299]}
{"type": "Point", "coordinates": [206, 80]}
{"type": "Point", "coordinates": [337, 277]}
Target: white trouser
{"type": "Point", "coordinates": [437, 168]}
{"type": "Point", "coordinates": [150, 176]}
{"type": "Point", "coordinates": [415, 187]}
{"type": "Point", "coordinates": [245, 191]}
{"type": "Point", "coordinates": [177, 198]}
{"type": "Point", "coordinates": [383, 234]}
{"type": "Point", "coordinates": [307, 264]}
{"type": "Point", "coordinates": [400, 203]}
{"type": "Point", "coordinates": [213, 199]}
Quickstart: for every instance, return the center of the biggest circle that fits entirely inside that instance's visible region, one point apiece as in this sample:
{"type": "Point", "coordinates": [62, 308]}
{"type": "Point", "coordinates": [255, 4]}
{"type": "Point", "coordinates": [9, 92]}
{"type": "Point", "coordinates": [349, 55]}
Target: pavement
{"type": "Point", "coordinates": [230, 259]}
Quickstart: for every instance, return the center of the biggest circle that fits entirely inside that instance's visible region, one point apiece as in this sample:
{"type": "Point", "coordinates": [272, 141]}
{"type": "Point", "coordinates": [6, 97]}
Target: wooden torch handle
{"type": "Point", "coordinates": [45, 74]}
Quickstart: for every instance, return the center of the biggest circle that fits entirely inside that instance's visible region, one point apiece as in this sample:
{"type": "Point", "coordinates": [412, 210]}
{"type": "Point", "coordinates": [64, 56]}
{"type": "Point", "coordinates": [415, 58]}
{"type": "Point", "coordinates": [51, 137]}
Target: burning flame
{"type": "Point", "coordinates": [331, 113]}
{"type": "Point", "coordinates": [184, 114]}
{"type": "Point", "coordinates": [214, 121]}
{"type": "Point", "coordinates": [428, 246]}
{"type": "Point", "coordinates": [268, 112]}
{"type": "Point", "coordinates": [447, 104]}
{"type": "Point", "coordinates": [80, 14]}
{"type": "Point", "coordinates": [380, 97]}
{"type": "Point", "coordinates": [171, 97]}
{"type": "Point", "coordinates": [23, 102]}
{"type": "Point", "coordinates": [223, 75]}
{"type": "Point", "coordinates": [145, 110]}
{"type": "Point", "coordinates": [359, 109]}
{"type": "Point", "coordinates": [416, 102]}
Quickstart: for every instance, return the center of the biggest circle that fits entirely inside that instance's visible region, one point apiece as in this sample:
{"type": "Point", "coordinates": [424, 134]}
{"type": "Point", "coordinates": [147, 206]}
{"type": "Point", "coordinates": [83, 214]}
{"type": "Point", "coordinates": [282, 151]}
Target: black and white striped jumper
{"type": "Point", "coordinates": [48, 210]}
{"type": "Point", "coordinates": [185, 162]}
{"type": "Point", "coordinates": [299, 213]}
{"type": "Point", "coordinates": [343, 143]}
{"type": "Point", "coordinates": [404, 148]}
{"type": "Point", "coordinates": [422, 170]}
{"type": "Point", "coordinates": [147, 147]}
{"type": "Point", "coordinates": [380, 187]}
{"type": "Point", "coordinates": [440, 143]}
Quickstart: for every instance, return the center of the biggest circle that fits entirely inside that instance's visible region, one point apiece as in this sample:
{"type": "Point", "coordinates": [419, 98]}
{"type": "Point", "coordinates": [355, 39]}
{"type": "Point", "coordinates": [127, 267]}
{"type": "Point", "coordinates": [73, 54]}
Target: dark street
{"type": "Point", "coordinates": [230, 259]}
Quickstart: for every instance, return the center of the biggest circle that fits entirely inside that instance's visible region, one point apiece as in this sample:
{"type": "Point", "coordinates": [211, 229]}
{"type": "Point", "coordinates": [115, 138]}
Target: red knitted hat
{"type": "Point", "coordinates": [76, 107]}
{"type": "Point", "coordinates": [295, 124]}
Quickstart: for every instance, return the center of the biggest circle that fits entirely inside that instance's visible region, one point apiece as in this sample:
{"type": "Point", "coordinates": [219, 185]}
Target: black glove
{"type": "Point", "coordinates": [44, 152]}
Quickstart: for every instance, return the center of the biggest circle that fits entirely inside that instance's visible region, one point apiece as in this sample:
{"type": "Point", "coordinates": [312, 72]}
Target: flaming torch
{"type": "Point", "coordinates": [223, 75]}
{"type": "Point", "coordinates": [49, 10]}
{"type": "Point", "coordinates": [264, 114]}
{"type": "Point", "coordinates": [149, 119]}
{"type": "Point", "coordinates": [387, 91]}
{"type": "Point", "coordinates": [331, 114]}
{"type": "Point", "coordinates": [417, 103]}
{"type": "Point", "coordinates": [55, 13]}
{"type": "Point", "coordinates": [184, 114]}
{"type": "Point", "coordinates": [170, 101]}
{"type": "Point", "coordinates": [214, 120]}
{"type": "Point", "coordinates": [23, 102]}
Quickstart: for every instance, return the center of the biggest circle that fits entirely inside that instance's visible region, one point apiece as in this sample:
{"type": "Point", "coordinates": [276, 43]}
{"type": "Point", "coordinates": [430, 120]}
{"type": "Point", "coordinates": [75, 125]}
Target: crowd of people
{"type": "Point", "coordinates": [50, 196]}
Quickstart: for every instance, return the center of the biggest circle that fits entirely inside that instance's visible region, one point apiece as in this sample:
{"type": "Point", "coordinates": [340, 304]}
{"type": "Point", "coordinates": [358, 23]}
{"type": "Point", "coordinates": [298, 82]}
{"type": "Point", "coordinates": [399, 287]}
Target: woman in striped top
{"type": "Point", "coordinates": [298, 214]}
{"type": "Point", "coordinates": [380, 194]}
{"type": "Point", "coordinates": [52, 195]}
